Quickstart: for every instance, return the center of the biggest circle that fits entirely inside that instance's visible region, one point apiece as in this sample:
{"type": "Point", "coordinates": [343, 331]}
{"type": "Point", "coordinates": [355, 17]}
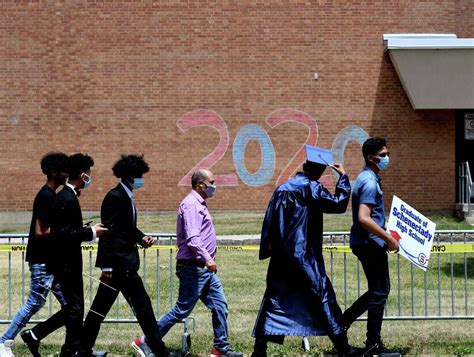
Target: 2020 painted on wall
{"type": "Point", "coordinates": [249, 132]}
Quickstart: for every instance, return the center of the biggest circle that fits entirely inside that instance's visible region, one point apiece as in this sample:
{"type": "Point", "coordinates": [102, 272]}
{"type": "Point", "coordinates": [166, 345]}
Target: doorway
{"type": "Point", "coordinates": [464, 142]}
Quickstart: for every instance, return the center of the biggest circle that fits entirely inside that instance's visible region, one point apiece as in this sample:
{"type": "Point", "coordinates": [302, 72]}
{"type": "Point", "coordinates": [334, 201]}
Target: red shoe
{"type": "Point", "coordinates": [141, 347]}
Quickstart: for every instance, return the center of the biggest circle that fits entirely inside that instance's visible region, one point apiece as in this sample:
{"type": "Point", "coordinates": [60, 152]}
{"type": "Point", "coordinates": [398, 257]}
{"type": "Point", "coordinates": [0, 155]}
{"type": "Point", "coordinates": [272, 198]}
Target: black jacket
{"type": "Point", "coordinates": [67, 231]}
{"type": "Point", "coordinates": [118, 248]}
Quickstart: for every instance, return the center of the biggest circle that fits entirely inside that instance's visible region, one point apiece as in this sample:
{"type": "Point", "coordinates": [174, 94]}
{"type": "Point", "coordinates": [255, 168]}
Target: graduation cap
{"type": "Point", "coordinates": [319, 155]}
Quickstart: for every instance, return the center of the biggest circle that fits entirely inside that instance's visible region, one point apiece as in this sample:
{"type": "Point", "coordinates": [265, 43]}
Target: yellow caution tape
{"type": "Point", "coordinates": [436, 249]}
{"type": "Point", "coordinates": [452, 248]}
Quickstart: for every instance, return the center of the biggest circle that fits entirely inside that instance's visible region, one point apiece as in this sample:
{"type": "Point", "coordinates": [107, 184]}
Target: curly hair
{"type": "Point", "coordinates": [130, 166]}
{"type": "Point", "coordinates": [79, 163]}
{"type": "Point", "coordinates": [54, 162]}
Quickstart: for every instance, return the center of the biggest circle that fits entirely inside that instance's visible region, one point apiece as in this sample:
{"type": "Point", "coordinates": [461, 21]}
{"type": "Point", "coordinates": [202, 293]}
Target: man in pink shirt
{"type": "Point", "coordinates": [196, 267]}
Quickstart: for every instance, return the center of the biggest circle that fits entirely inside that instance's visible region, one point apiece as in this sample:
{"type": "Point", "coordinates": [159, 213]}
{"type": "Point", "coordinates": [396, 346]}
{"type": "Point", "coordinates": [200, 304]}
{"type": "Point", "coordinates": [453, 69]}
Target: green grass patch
{"type": "Point", "coordinates": [248, 222]}
{"type": "Point", "coordinates": [236, 222]}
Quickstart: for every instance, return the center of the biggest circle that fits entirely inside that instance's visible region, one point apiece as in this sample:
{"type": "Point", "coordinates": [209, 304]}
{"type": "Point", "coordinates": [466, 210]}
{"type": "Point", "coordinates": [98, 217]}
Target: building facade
{"type": "Point", "coordinates": [235, 86]}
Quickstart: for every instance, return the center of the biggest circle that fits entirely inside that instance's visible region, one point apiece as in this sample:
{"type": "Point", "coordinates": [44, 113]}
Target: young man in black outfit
{"type": "Point", "coordinates": [55, 167]}
{"type": "Point", "coordinates": [118, 258]}
{"type": "Point", "coordinates": [68, 233]}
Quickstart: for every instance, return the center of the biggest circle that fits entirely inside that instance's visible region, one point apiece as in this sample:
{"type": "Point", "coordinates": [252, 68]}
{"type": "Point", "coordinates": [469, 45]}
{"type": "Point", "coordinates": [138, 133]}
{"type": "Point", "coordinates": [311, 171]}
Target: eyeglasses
{"type": "Point", "coordinates": [383, 154]}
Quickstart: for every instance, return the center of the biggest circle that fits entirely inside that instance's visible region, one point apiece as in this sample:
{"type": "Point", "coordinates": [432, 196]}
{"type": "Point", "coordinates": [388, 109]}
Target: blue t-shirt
{"type": "Point", "coordinates": [367, 190]}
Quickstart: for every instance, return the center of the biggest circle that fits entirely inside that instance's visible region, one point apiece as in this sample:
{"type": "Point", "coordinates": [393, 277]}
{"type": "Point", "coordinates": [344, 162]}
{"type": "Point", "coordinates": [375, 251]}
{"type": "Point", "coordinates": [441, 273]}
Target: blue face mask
{"type": "Point", "coordinates": [383, 163]}
{"type": "Point", "coordinates": [210, 190]}
{"type": "Point", "coordinates": [88, 182]}
{"type": "Point", "coordinates": [138, 182]}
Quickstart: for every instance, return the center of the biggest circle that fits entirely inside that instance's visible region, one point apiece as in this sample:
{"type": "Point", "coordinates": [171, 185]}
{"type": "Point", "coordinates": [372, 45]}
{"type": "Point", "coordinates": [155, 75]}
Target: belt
{"type": "Point", "coordinates": [190, 262]}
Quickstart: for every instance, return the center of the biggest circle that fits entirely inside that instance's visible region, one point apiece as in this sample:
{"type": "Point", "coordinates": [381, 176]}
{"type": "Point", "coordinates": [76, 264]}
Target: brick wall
{"type": "Point", "coordinates": [145, 77]}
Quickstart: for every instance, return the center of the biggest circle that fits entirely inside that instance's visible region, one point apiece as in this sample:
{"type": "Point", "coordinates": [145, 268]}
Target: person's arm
{"type": "Point", "coordinates": [42, 210]}
{"type": "Point", "coordinates": [337, 202]}
{"type": "Point", "coordinates": [41, 229]}
{"type": "Point", "coordinates": [63, 229]}
{"type": "Point", "coordinates": [266, 234]}
{"type": "Point", "coordinates": [367, 223]}
{"type": "Point", "coordinates": [110, 216]}
{"type": "Point", "coordinates": [141, 239]}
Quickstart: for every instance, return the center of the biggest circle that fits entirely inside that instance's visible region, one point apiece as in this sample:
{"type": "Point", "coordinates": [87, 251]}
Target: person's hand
{"type": "Point", "coordinates": [148, 241]}
{"type": "Point", "coordinates": [211, 266]}
{"type": "Point", "coordinates": [338, 168]}
{"type": "Point", "coordinates": [100, 229]}
{"type": "Point", "coordinates": [106, 277]}
{"type": "Point", "coordinates": [393, 245]}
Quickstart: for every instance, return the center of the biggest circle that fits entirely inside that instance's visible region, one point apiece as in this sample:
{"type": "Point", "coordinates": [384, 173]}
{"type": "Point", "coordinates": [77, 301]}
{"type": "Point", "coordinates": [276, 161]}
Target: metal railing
{"type": "Point", "coordinates": [466, 192]}
{"type": "Point", "coordinates": [442, 292]}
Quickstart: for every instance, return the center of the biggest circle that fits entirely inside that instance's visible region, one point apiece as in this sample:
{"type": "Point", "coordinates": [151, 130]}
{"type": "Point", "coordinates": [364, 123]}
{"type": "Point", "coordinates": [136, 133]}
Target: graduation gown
{"type": "Point", "coordinates": [299, 299]}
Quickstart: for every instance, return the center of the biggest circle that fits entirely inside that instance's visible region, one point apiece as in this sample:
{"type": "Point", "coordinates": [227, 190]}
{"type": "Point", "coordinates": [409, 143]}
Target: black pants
{"type": "Point", "coordinates": [73, 292]}
{"type": "Point", "coordinates": [131, 286]}
{"type": "Point", "coordinates": [374, 261]}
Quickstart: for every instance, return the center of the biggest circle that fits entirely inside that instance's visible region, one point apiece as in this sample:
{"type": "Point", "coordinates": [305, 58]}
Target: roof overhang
{"type": "Point", "coordinates": [436, 70]}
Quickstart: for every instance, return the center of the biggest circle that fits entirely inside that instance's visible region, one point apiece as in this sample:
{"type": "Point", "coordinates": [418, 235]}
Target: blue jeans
{"type": "Point", "coordinates": [198, 283]}
{"type": "Point", "coordinates": [42, 283]}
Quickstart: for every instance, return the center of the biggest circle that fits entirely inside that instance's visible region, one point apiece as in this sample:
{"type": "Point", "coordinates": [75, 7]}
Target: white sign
{"type": "Point", "coordinates": [414, 232]}
{"type": "Point", "coordinates": [469, 126]}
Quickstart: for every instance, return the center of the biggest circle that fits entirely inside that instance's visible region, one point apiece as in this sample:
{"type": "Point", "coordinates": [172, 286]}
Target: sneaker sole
{"type": "Point", "coordinates": [230, 354]}
{"type": "Point", "coordinates": [138, 349]}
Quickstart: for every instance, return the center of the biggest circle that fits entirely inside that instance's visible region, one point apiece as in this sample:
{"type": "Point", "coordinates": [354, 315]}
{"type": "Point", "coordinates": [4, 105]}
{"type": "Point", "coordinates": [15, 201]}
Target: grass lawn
{"type": "Point", "coordinates": [236, 222]}
{"type": "Point", "coordinates": [243, 276]}
{"type": "Point", "coordinates": [250, 222]}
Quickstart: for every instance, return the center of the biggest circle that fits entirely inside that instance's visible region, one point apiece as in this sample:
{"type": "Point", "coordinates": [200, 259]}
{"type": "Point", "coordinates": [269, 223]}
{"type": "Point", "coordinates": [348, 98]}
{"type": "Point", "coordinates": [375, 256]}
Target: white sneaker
{"type": "Point", "coordinates": [6, 349]}
{"type": "Point", "coordinates": [140, 345]}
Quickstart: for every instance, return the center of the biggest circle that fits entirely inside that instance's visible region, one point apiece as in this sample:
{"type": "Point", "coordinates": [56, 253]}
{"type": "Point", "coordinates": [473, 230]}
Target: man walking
{"type": "Point", "coordinates": [118, 258]}
{"type": "Point", "coordinates": [370, 242]}
{"type": "Point", "coordinates": [196, 267]}
{"type": "Point", "coordinates": [68, 233]}
{"type": "Point", "coordinates": [299, 299]}
{"type": "Point", "coordinates": [55, 167]}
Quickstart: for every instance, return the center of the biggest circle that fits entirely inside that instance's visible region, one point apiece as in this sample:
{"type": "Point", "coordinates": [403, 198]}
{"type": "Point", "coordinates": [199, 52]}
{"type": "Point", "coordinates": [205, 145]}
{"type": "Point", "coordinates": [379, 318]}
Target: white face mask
{"type": "Point", "coordinates": [210, 190]}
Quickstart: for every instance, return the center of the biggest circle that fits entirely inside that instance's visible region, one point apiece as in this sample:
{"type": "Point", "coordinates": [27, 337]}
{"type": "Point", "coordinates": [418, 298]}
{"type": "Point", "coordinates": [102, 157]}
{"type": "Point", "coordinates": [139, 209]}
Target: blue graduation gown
{"type": "Point", "coordinates": [299, 299]}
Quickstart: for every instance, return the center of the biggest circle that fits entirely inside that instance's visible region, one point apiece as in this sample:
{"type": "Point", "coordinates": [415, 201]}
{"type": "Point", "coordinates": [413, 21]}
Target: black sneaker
{"type": "Point", "coordinates": [33, 345]}
{"type": "Point", "coordinates": [349, 351]}
{"type": "Point", "coordinates": [227, 353]}
{"type": "Point", "coordinates": [258, 354]}
{"type": "Point", "coordinates": [377, 348]}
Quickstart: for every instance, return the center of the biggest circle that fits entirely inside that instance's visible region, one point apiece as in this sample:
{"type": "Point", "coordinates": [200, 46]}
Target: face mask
{"type": "Point", "coordinates": [383, 163]}
{"type": "Point", "coordinates": [88, 182]}
{"type": "Point", "coordinates": [138, 182]}
{"type": "Point", "coordinates": [210, 190]}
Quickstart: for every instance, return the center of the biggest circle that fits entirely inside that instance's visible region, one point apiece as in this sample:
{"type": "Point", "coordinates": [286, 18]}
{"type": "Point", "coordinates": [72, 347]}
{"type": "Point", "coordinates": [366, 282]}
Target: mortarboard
{"type": "Point", "coordinates": [319, 155]}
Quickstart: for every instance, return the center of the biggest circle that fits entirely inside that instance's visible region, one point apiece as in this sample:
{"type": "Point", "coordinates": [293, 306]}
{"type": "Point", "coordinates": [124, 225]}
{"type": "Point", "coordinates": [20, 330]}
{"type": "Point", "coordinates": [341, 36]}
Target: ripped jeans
{"type": "Point", "coordinates": [42, 283]}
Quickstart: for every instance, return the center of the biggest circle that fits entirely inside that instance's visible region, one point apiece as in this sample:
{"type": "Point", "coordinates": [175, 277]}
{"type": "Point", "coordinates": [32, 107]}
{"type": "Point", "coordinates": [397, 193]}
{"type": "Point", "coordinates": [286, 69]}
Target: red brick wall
{"type": "Point", "coordinates": [116, 77]}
